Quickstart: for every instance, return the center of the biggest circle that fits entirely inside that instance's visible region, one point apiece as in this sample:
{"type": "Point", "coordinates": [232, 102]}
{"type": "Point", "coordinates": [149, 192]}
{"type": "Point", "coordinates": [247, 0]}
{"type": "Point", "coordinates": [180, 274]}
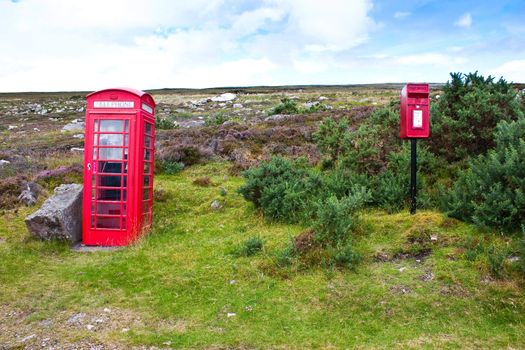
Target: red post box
{"type": "Point", "coordinates": [118, 166]}
{"type": "Point", "coordinates": [415, 120]}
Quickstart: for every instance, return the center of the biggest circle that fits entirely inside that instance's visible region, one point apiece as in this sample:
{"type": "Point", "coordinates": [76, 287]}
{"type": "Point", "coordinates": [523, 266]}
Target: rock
{"type": "Point", "coordinates": [90, 327]}
{"type": "Point", "coordinates": [322, 98]}
{"type": "Point", "coordinates": [216, 205]}
{"type": "Point", "coordinates": [60, 217]}
{"type": "Point", "coordinates": [77, 149]}
{"type": "Point", "coordinates": [224, 97]}
{"type": "Point", "coordinates": [74, 126]}
{"type": "Point", "coordinates": [231, 314]}
{"type": "Point", "coordinates": [76, 319]}
{"type": "Point", "coordinates": [78, 136]}
{"type": "Point", "coordinates": [11, 127]}
{"type": "Point", "coordinates": [310, 104]}
{"type": "Point", "coordinates": [275, 117]}
{"type": "Point", "coordinates": [4, 162]}
{"type": "Point", "coordinates": [191, 123]}
{"type": "Point", "coordinates": [237, 105]}
{"type": "Point", "coordinates": [30, 193]}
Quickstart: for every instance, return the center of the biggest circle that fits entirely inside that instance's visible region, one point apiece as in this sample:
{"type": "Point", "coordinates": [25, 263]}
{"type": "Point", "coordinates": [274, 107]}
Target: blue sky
{"type": "Point", "coordinates": [87, 45]}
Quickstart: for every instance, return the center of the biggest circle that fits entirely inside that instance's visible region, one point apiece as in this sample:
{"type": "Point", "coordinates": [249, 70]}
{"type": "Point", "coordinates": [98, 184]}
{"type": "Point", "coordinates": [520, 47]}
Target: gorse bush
{"type": "Point", "coordinates": [464, 118]}
{"type": "Point", "coordinates": [284, 189]}
{"type": "Point", "coordinates": [287, 106]}
{"type": "Point", "coordinates": [492, 191]}
{"type": "Point", "coordinates": [251, 246]}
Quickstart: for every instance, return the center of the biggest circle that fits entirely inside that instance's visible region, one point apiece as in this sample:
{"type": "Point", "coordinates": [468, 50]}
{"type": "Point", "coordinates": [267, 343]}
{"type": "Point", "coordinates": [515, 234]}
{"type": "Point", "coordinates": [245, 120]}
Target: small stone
{"type": "Point", "coordinates": [78, 136]}
{"type": "Point", "coordinates": [216, 205]}
{"type": "Point", "coordinates": [4, 162]}
{"type": "Point", "coordinates": [237, 105]}
{"type": "Point", "coordinates": [11, 127]}
{"type": "Point", "coordinates": [248, 308]}
{"type": "Point", "coordinates": [231, 314]}
{"type": "Point", "coordinates": [233, 281]}
{"type": "Point", "coordinates": [224, 97]}
{"type": "Point", "coordinates": [29, 337]}
{"type": "Point", "coordinates": [90, 327]}
{"type": "Point", "coordinates": [402, 269]}
{"type": "Point", "coordinates": [36, 129]}
{"type": "Point", "coordinates": [513, 259]}
{"type": "Point", "coordinates": [77, 149]}
{"type": "Point", "coordinates": [124, 330]}
{"type": "Point", "coordinates": [167, 343]}
{"type": "Point", "coordinates": [107, 310]}
{"type": "Point", "coordinates": [433, 238]}
{"type": "Point", "coordinates": [322, 98]}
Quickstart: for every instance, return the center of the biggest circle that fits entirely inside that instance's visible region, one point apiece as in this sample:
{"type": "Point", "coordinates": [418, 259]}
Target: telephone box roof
{"type": "Point", "coordinates": [136, 92]}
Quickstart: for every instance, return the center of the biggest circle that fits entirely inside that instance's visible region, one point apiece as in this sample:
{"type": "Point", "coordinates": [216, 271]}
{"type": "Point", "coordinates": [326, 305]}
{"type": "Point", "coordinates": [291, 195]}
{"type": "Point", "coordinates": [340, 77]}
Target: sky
{"type": "Point", "coordinates": [58, 45]}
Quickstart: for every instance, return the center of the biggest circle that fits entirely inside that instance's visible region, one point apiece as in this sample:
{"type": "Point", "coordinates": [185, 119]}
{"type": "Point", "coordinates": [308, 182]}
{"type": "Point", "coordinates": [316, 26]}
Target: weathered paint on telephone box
{"type": "Point", "coordinates": [118, 166]}
{"type": "Point", "coordinates": [414, 118]}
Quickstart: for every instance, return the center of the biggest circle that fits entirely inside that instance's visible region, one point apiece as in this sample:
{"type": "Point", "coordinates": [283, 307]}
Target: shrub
{"type": "Point", "coordinates": [251, 246]}
{"type": "Point", "coordinates": [464, 118]}
{"type": "Point", "coordinates": [491, 192]}
{"type": "Point", "coordinates": [284, 189]}
{"type": "Point", "coordinates": [347, 257]}
{"type": "Point", "coordinates": [287, 106]}
{"type": "Point", "coordinates": [172, 168]}
{"type": "Point", "coordinates": [284, 257]}
{"type": "Point", "coordinates": [332, 138]}
{"type": "Point", "coordinates": [334, 219]}
{"type": "Point", "coordinates": [216, 119]}
{"type": "Point", "coordinates": [164, 123]}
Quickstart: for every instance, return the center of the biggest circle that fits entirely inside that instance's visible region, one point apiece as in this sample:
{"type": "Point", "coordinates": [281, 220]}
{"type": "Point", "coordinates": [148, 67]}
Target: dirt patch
{"type": "Point", "coordinates": [417, 254]}
{"type": "Point", "coordinates": [401, 289]}
{"type": "Point", "coordinates": [203, 181]}
{"type": "Point", "coordinates": [305, 241]}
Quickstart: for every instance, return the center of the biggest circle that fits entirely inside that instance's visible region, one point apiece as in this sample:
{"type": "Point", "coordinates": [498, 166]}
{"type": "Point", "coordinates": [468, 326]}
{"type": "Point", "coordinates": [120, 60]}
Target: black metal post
{"type": "Point", "coordinates": [413, 176]}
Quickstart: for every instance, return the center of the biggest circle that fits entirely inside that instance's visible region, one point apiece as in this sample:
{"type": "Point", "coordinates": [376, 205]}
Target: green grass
{"type": "Point", "coordinates": [175, 285]}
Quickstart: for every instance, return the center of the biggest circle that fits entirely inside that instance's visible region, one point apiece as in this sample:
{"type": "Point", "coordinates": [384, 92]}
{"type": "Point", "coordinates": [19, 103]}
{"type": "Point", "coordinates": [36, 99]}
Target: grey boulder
{"type": "Point", "coordinates": [60, 217]}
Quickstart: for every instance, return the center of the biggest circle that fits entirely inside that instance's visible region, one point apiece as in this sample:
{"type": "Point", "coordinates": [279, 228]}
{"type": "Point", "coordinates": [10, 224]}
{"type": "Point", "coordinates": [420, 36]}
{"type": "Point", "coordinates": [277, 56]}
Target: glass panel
{"type": "Point", "coordinates": [95, 139]}
{"type": "Point", "coordinates": [93, 192]}
{"type": "Point", "coordinates": [145, 207]}
{"type": "Point", "coordinates": [108, 195]}
{"type": "Point", "coordinates": [146, 181]}
{"type": "Point", "coordinates": [108, 208]}
{"type": "Point", "coordinates": [94, 180]}
{"type": "Point", "coordinates": [148, 128]}
{"type": "Point", "coordinates": [145, 195]}
{"type": "Point", "coordinates": [125, 153]}
{"type": "Point", "coordinates": [126, 140]}
{"type": "Point", "coordinates": [123, 208]}
{"type": "Point", "coordinates": [124, 195]}
{"type": "Point", "coordinates": [92, 222]}
{"type": "Point", "coordinates": [94, 152]}
{"type": "Point", "coordinates": [127, 126]}
{"type": "Point", "coordinates": [111, 139]}
{"type": "Point", "coordinates": [124, 223]}
{"type": "Point", "coordinates": [147, 154]}
{"type": "Point", "coordinates": [111, 125]}
{"type": "Point", "coordinates": [109, 167]}
{"type": "Point", "coordinates": [146, 167]}
{"type": "Point", "coordinates": [95, 125]}
{"type": "Point", "coordinates": [125, 167]}
{"type": "Point", "coordinates": [110, 153]}
{"type": "Point", "coordinates": [104, 222]}
{"type": "Point", "coordinates": [110, 181]}
{"type": "Point", "coordinates": [147, 142]}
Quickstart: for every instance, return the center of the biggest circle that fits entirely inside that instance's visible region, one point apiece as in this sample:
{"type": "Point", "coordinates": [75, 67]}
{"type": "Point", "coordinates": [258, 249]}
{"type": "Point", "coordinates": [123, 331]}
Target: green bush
{"type": "Point", "coordinates": [347, 257]}
{"type": "Point", "coordinates": [216, 119]}
{"type": "Point", "coordinates": [334, 217]}
{"type": "Point", "coordinates": [164, 123]}
{"type": "Point", "coordinates": [251, 246]}
{"type": "Point", "coordinates": [464, 118]}
{"type": "Point", "coordinates": [491, 193]}
{"type": "Point", "coordinates": [172, 168]}
{"type": "Point", "coordinates": [332, 138]}
{"type": "Point", "coordinates": [284, 189]}
{"type": "Point", "coordinates": [287, 106]}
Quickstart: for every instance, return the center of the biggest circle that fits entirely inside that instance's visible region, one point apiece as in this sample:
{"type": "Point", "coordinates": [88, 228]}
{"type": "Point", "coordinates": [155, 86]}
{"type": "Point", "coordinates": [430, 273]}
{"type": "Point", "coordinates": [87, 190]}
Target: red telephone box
{"type": "Point", "coordinates": [118, 166]}
{"type": "Point", "coordinates": [415, 121]}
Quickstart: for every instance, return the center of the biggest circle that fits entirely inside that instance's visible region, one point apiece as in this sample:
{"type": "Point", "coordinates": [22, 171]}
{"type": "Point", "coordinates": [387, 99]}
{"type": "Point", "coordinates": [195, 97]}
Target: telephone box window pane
{"type": "Point", "coordinates": [94, 153]}
{"type": "Point", "coordinates": [125, 181]}
{"type": "Point", "coordinates": [145, 194]}
{"type": "Point", "coordinates": [123, 208]}
{"type": "Point", "coordinates": [93, 193]}
{"type": "Point", "coordinates": [126, 140]}
{"type": "Point", "coordinates": [92, 222]}
{"type": "Point", "coordinates": [110, 153]}
{"type": "Point", "coordinates": [95, 139]}
{"type": "Point", "coordinates": [105, 222]}
{"type": "Point", "coordinates": [110, 181]}
{"type": "Point", "coordinates": [146, 167]}
{"type": "Point", "coordinates": [95, 126]}
{"type": "Point", "coordinates": [109, 167]}
{"type": "Point", "coordinates": [108, 195]}
{"type": "Point", "coordinates": [111, 139]}
{"type": "Point", "coordinates": [147, 154]}
{"type": "Point", "coordinates": [125, 153]}
{"type": "Point", "coordinates": [110, 125]}
{"type": "Point", "coordinates": [126, 128]}
{"type": "Point", "coordinates": [147, 142]}
{"type": "Point", "coordinates": [146, 181]}
{"type": "Point", "coordinates": [148, 128]}
{"type": "Point", "coordinates": [108, 208]}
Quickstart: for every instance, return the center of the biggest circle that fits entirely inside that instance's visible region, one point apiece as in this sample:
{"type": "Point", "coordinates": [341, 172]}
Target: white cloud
{"type": "Point", "coordinates": [402, 14]}
{"type": "Point", "coordinates": [512, 71]}
{"type": "Point", "coordinates": [464, 21]}
{"type": "Point", "coordinates": [430, 58]}
{"type": "Point", "coordinates": [72, 45]}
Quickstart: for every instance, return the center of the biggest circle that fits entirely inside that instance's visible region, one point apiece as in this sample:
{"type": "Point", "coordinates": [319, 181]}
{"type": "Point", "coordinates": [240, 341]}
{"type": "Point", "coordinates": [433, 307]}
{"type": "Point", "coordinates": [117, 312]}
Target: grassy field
{"type": "Point", "coordinates": [182, 286]}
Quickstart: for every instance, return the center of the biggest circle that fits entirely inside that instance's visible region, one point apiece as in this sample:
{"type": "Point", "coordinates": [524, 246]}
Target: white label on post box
{"type": "Point", "coordinates": [113, 104]}
{"type": "Point", "coordinates": [147, 108]}
{"type": "Point", "coordinates": [417, 121]}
